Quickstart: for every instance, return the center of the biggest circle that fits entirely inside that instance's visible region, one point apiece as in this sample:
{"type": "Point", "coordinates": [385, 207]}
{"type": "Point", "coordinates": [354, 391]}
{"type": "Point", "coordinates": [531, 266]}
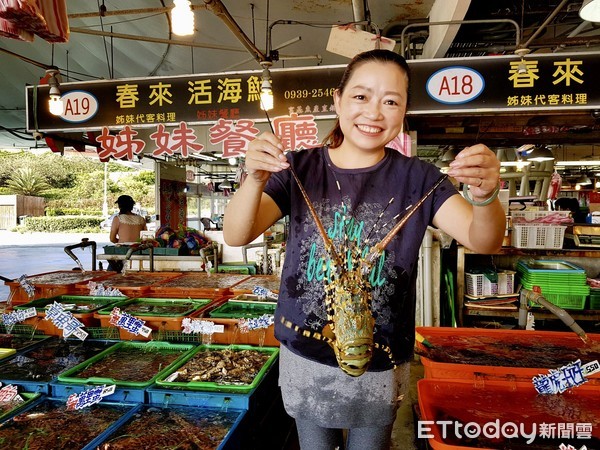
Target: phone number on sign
{"type": "Point", "coordinates": [308, 93]}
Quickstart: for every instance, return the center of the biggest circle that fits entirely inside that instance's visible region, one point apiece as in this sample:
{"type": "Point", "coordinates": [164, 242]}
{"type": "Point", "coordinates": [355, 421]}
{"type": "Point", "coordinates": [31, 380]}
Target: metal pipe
{"type": "Point", "coordinates": [139, 248]}
{"type": "Point", "coordinates": [461, 22]}
{"type": "Point", "coordinates": [545, 24]}
{"type": "Point", "coordinates": [85, 242]}
{"type": "Point", "coordinates": [358, 12]}
{"type": "Point", "coordinates": [125, 12]}
{"type": "Point", "coordinates": [219, 10]}
{"type": "Point", "coordinates": [151, 39]}
{"type": "Point", "coordinates": [527, 295]}
{"type": "Point", "coordinates": [427, 279]}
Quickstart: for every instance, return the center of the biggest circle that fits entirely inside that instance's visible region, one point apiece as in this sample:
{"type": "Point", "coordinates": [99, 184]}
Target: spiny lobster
{"type": "Point", "coordinates": [350, 326]}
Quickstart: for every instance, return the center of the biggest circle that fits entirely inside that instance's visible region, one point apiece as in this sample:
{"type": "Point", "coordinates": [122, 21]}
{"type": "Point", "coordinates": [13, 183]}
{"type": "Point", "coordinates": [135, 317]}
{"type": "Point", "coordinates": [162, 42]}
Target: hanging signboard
{"type": "Point", "coordinates": [491, 84]}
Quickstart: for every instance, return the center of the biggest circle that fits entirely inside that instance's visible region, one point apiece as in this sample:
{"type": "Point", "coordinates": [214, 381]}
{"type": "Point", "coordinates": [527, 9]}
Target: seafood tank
{"type": "Point", "coordinates": [464, 402]}
{"type": "Point", "coordinates": [197, 284]}
{"type": "Point", "coordinates": [46, 361]}
{"type": "Point", "coordinates": [134, 364]}
{"type": "Point", "coordinates": [221, 368]}
{"type": "Point", "coordinates": [518, 352]}
{"type": "Point", "coordinates": [50, 425]}
{"type": "Point", "coordinates": [174, 427]}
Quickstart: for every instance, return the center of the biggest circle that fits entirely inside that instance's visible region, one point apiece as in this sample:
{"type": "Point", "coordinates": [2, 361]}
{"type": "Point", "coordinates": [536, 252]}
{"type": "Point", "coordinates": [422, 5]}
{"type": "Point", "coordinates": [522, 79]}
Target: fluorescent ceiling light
{"type": "Point", "coordinates": [578, 163]}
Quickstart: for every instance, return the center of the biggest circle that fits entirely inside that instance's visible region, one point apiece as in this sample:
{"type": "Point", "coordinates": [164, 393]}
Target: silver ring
{"type": "Point", "coordinates": [480, 182]}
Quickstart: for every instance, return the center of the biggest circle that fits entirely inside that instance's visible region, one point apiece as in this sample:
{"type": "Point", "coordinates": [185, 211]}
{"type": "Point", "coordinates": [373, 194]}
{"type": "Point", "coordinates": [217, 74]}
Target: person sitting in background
{"type": "Point", "coordinates": [127, 225]}
{"type": "Point", "coordinates": [570, 204]}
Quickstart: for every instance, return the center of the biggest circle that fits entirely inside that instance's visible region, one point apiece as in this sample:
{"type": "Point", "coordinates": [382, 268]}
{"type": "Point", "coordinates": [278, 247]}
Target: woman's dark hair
{"type": "Point", "coordinates": [335, 137]}
{"type": "Point", "coordinates": [126, 204]}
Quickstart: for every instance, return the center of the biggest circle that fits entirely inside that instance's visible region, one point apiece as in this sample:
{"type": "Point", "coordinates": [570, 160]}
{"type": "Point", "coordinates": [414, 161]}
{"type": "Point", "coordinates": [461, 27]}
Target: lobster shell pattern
{"type": "Point", "coordinates": [348, 295]}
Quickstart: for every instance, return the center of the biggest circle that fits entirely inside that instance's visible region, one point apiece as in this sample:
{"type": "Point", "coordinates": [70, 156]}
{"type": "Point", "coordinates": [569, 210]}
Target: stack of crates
{"type": "Point", "coordinates": [562, 283]}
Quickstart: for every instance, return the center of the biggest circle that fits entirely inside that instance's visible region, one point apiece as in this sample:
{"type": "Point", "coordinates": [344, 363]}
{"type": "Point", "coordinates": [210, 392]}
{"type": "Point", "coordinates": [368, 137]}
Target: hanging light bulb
{"type": "Point", "coordinates": [266, 91]}
{"type": "Point", "coordinates": [590, 10]}
{"type": "Point", "coordinates": [55, 103]}
{"type": "Point", "coordinates": [232, 161]}
{"type": "Point", "coordinates": [182, 17]}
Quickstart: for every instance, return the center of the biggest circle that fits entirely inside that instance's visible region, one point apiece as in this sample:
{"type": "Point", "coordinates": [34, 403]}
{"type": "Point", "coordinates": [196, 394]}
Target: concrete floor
{"type": "Point", "coordinates": [403, 434]}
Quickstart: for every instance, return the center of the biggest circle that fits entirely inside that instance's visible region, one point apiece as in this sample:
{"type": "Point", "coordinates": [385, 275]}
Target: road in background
{"type": "Point", "coordinates": [35, 253]}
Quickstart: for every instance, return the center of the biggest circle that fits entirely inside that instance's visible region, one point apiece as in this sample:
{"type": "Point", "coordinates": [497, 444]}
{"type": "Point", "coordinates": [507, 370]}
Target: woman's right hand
{"type": "Point", "coordinates": [265, 155]}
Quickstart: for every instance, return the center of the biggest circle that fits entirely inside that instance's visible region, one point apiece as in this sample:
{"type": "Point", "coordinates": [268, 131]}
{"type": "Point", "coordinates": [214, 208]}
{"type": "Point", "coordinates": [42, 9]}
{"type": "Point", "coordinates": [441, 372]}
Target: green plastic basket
{"type": "Point", "coordinates": [70, 376]}
{"type": "Point", "coordinates": [565, 301]}
{"type": "Point", "coordinates": [243, 309]}
{"type": "Point", "coordinates": [185, 306]}
{"type": "Point", "coordinates": [594, 298]}
{"type": "Point", "coordinates": [213, 386]}
{"type": "Point", "coordinates": [176, 336]}
{"type": "Point", "coordinates": [21, 329]}
{"type": "Point", "coordinates": [108, 333]}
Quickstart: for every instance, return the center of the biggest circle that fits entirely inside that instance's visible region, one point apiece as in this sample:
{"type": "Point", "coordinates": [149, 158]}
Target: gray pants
{"type": "Point", "coordinates": [324, 400]}
{"type": "Point", "coordinates": [314, 437]}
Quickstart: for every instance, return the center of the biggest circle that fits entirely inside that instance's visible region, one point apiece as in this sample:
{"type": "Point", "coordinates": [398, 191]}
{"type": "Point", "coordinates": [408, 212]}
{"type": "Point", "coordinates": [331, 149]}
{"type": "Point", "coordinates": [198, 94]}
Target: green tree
{"type": "Point", "coordinates": [26, 182]}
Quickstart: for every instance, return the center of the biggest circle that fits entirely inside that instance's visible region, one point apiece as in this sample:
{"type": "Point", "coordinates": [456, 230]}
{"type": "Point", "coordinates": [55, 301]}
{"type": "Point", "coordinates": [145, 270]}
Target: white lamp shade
{"type": "Point", "coordinates": [56, 105]}
{"type": "Point", "coordinates": [590, 10]}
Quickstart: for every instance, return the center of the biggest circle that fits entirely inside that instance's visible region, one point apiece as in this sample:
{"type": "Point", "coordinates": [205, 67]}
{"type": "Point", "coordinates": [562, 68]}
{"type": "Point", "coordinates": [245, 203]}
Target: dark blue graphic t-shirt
{"type": "Point", "coordinates": [358, 214]}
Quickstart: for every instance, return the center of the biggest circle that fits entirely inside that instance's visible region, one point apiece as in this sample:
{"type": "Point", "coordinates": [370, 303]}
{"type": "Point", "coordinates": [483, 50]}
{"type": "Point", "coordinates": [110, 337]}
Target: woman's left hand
{"type": "Point", "coordinates": [478, 167]}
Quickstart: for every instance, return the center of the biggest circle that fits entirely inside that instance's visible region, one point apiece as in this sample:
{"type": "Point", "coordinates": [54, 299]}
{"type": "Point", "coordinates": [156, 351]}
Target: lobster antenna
{"type": "Point", "coordinates": [377, 249]}
{"type": "Point", "coordinates": [328, 244]}
{"type": "Point", "coordinates": [378, 219]}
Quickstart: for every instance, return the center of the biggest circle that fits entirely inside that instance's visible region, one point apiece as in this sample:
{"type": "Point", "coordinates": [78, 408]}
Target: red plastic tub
{"type": "Point", "coordinates": [51, 284]}
{"type": "Point", "coordinates": [132, 284]}
{"type": "Point", "coordinates": [446, 406]}
{"type": "Point", "coordinates": [197, 284]}
{"type": "Point", "coordinates": [475, 353]}
{"type": "Point", "coordinates": [270, 282]}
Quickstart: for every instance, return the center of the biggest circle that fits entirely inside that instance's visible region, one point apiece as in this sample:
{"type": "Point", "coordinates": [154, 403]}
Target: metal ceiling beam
{"type": "Point", "coordinates": [125, 12]}
{"type": "Point", "coordinates": [219, 10]}
{"type": "Point", "coordinates": [154, 40]}
{"type": "Point", "coordinates": [545, 24]}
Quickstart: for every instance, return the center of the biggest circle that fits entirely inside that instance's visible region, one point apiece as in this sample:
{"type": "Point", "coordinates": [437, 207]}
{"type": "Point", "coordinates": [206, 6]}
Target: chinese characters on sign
{"type": "Point", "coordinates": [10, 393]}
{"type": "Point", "coordinates": [566, 377]}
{"type": "Point", "coordinates": [17, 316]}
{"type": "Point", "coordinates": [567, 72]}
{"type": "Point", "coordinates": [296, 132]}
{"type": "Point", "coordinates": [197, 326]}
{"type": "Point", "coordinates": [64, 320]}
{"type": "Point", "coordinates": [26, 285]}
{"type": "Point", "coordinates": [89, 396]}
{"type": "Point", "coordinates": [255, 323]}
{"type": "Point", "coordinates": [129, 322]}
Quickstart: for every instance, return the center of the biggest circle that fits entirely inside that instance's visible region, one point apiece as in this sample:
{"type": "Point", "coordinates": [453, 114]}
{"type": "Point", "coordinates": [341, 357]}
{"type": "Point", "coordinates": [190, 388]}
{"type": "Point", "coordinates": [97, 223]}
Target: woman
{"type": "Point", "coordinates": [126, 227]}
{"type": "Point", "coordinates": [351, 182]}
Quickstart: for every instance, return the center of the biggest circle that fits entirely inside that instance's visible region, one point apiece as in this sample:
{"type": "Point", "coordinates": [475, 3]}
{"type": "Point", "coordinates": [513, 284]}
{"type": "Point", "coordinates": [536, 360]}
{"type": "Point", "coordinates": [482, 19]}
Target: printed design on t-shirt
{"type": "Point", "coordinates": [314, 261]}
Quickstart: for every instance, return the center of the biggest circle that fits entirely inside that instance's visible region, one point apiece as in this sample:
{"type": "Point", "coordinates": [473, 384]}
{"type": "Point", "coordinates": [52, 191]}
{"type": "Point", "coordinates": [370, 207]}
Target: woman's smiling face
{"type": "Point", "coordinates": [372, 106]}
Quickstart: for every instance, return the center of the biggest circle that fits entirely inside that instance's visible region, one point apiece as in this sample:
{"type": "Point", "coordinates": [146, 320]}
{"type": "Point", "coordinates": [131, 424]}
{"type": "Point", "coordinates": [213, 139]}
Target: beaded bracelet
{"type": "Point", "coordinates": [483, 203]}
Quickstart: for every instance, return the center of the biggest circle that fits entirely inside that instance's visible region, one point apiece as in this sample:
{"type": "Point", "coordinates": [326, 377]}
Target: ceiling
{"type": "Point", "coordinates": [133, 39]}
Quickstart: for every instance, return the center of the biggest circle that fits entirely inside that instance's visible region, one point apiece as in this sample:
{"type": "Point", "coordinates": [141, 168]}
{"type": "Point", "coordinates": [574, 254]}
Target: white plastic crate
{"type": "Point", "coordinates": [529, 216]}
{"type": "Point", "coordinates": [478, 284]}
{"type": "Point", "coordinates": [538, 235]}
